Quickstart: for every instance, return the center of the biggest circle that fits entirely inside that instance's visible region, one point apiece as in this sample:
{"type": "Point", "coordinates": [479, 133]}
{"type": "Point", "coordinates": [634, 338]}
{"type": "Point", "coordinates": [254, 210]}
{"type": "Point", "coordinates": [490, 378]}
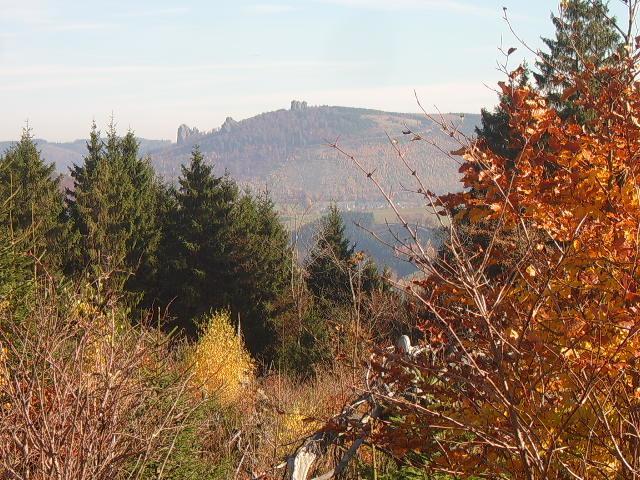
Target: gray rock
{"type": "Point", "coordinates": [228, 125]}
{"type": "Point", "coordinates": [297, 105]}
{"type": "Point", "coordinates": [184, 132]}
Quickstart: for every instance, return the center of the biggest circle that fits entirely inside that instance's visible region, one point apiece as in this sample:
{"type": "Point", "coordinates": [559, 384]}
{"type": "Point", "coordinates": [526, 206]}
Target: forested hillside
{"type": "Point", "coordinates": [287, 152]}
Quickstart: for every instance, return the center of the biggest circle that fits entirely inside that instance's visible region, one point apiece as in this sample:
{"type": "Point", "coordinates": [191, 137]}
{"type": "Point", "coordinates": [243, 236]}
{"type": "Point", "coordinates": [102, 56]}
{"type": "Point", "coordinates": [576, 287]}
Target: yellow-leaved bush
{"type": "Point", "coordinates": [100, 331]}
{"type": "Point", "coordinates": [222, 366]}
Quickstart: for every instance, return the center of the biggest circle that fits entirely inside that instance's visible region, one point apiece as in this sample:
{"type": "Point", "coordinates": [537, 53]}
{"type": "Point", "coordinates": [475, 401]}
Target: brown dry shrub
{"type": "Point", "coordinates": [85, 394]}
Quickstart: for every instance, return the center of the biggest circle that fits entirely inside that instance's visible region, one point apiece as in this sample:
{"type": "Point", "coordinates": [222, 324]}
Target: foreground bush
{"type": "Point", "coordinates": [221, 364]}
{"type": "Point", "coordinates": [528, 367]}
{"type": "Point", "coordinates": [81, 393]}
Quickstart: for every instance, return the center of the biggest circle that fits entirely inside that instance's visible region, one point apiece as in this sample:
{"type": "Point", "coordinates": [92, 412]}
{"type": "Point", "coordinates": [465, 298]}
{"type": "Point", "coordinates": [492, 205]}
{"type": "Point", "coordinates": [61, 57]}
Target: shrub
{"type": "Point", "coordinates": [78, 398]}
{"type": "Point", "coordinates": [530, 370]}
{"type": "Point", "coordinates": [222, 367]}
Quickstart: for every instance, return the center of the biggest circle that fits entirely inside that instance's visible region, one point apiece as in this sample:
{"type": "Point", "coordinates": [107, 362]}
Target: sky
{"type": "Point", "coordinates": [155, 64]}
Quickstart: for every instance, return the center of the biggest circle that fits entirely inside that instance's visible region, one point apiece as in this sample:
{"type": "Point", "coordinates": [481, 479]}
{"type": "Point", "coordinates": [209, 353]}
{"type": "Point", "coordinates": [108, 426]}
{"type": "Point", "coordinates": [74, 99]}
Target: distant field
{"type": "Point", "coordinates": [381, 216]}
{"type": "Point", "coordinates": [422, 216]}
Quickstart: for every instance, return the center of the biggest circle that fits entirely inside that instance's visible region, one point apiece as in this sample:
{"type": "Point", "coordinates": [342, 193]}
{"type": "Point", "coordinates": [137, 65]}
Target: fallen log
{"type": "Point", "coordinates": [353, 425]}
{"type": "Point", "coordinates": [315, 447]}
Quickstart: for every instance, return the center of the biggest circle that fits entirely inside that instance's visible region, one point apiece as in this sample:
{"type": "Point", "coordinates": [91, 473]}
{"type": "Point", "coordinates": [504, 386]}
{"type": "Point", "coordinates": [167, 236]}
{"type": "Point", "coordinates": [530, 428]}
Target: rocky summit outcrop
{"type": "Point", "coordinates": [184, 133]}
{"type": "Point", "coordinates": [228, 125]}
{"type": "Point", "coordinates": [297, 105]}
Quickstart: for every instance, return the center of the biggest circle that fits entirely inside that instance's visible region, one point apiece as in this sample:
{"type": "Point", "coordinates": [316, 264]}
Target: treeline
{"type": "Point", "coordinates": [182, 252]}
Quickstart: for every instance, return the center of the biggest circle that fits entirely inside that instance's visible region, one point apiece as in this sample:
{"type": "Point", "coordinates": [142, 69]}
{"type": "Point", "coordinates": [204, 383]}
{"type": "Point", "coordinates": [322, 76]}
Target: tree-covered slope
{"type": "Point", "coordinates": [288, 152]}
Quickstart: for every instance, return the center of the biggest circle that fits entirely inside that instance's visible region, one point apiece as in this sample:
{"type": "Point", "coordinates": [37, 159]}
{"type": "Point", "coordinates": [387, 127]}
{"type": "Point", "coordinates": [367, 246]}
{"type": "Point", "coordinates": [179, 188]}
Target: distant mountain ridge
{"type": "Point", "coordinates": [287, 152]}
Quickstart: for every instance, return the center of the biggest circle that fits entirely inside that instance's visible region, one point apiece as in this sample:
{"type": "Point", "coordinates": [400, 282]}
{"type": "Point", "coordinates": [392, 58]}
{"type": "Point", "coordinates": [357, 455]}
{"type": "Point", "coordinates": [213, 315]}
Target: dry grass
{"type": "Point", "coordinates": [286, 411]}
{"type": "Point", "coordinates": [85, 395]}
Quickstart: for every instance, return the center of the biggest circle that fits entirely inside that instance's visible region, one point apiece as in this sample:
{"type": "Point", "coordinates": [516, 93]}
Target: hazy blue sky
{"type": "Point", "coordinates": [158, 63]}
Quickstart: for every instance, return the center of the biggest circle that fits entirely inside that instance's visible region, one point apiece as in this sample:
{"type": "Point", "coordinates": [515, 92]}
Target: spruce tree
{"type": "Point", "coordinates": [197, 271]}
{"type": "Point", "coordinates": [339, 285]}
{"type": "Point", "coordinates": [328, 266]}
{"type": "Point", "coordinates": [223, 250]}
{"type": "Point", "coordinates": [16, 266]}
{"type": "Point", "coordinates": [88, 206]}
{"type": "Point", "coordinates": [113, 207]}
{"type": "Point", "coordinates": [261, 261]}
{"type": "Point", "coordinates": [146, 195]}
{"type": "Point", "coordinates": [495, 132]}
{"type": "Point", "coordinates": [585, 37]}
{"type": "Point", "coordinates": [153, 280]}
{"type": "Point", "coordinates": [494, 127]}
{"type": "Point", "coordinates": [33, 203]}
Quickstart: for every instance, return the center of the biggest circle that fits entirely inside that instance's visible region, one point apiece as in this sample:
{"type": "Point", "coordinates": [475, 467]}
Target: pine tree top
{"type": "Point", "coordinates": [584, 34]}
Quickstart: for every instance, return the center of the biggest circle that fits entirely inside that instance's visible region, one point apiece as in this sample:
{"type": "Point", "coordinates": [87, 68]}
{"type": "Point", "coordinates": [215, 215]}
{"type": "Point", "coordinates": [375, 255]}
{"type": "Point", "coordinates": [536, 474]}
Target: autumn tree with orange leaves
{"type": "Point", "coordinates": [534, 373]}
{"type": "Point", "coordinates": [531, 370]}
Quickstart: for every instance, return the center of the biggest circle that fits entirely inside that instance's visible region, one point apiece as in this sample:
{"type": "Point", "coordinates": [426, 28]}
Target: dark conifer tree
{"type": "Point", "coordinates": [371, 278]}
{"type": "Point", "coordinates": [339, 284]}
{"type": "Point", "coordinates": [261, 260]}
{"type": "Point", "coordinates": [33, 203]}
{"type": "Point", "coordinates": [197, 271]}
{"type": "Point", "coordinates": [16, 265]}
{"type": "Point", "coordinates": [113, 207]}
{"type": "Point", "coordinates": [585, 37]}
{"type": "Point", "coordinates": [16, 271]}
{"type": "Point", "coordinates": [145, 197]}
{"type": "Point", "coordinates": [329, 262]}
{"type": "Point", "coordinates": [494, 128]}
{"type": "Point", "coordinates": [86, 207]}
{"type": "Point", "coordinates": [223, 249]}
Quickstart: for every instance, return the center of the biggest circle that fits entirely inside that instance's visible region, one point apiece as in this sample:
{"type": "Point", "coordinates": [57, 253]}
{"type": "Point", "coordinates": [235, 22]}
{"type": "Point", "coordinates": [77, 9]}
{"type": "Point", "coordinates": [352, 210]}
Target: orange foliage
{"type": "Point", "coordinates": [533, 372]}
